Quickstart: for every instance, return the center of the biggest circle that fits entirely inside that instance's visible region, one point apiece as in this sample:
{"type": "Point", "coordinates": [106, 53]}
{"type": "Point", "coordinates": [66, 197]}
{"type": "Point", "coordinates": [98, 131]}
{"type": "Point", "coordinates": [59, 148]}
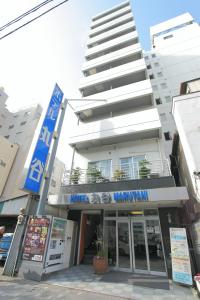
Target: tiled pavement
{"type": "Point", "coordinates": [83, 278]}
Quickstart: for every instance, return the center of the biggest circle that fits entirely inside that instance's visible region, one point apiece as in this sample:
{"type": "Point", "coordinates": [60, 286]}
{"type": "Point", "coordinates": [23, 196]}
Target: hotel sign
{"type": "Point", "coordinates": [109, 197]}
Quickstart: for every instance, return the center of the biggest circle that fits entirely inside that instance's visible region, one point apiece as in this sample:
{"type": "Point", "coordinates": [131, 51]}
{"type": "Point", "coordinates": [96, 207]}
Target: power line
{"type": "Point", "coordinates": [25, 14]}
{"type": "Point", "coordinates": [44, 13]}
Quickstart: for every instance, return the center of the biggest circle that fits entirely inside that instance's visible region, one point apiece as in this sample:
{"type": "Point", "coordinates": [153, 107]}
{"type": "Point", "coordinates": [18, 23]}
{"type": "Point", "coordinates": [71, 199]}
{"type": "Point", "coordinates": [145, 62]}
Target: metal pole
{"type": "Point", "coordinates": [45, 188]}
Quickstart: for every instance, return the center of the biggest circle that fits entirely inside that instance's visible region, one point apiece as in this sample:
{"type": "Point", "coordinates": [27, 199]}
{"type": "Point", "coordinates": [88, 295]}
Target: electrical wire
{"type": "Point", "coordinates": [44, 13]}
{"type": "Point", "coordinates": [25, 14]}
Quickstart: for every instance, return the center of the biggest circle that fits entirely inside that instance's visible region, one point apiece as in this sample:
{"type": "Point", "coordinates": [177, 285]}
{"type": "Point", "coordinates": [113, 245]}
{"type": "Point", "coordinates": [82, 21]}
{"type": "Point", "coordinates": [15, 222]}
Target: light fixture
{"type": "Point", "coordinates": [136, 212]}
{"type": "Point", "coordinates": [169, 217]}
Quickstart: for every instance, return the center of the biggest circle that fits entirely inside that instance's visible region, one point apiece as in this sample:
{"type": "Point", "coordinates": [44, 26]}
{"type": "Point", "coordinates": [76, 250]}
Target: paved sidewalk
{"type": "Point", "coordinates": [82, 284]}
{"type": "Point", "coordinates": [83, 278]}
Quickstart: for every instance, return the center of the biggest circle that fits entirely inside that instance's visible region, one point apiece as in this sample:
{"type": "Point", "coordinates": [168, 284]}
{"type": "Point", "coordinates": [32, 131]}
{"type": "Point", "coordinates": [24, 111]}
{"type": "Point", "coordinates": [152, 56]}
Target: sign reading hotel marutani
{"type": "Point", "coordinates": [109, 197]}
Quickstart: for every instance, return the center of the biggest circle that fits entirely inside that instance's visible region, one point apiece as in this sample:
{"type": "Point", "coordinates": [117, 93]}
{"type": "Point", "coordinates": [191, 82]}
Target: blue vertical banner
{"type": "Point", "coordinates": [38, 162]}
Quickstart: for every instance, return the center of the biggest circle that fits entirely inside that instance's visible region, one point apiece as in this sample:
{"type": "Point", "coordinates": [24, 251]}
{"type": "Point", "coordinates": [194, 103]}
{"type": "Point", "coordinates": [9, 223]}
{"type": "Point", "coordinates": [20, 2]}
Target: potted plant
{"type": "Point", "coordinates": [144, 171]}
{"type": "Point", "coordinates": [100, 261]}
{"type": "Point", "coordinates": [75, 175]}
{"type": "Point", "coordinates": [119, 175]}
{"type": "Point", "coordinates": [93, 175]}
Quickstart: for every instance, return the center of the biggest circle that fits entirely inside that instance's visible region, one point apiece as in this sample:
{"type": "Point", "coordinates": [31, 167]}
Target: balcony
{"type": "Point", "coordinates": [110, 44]}
{"type": "Point", "coordinates": [138, 125]}
{"type": "Point", "coordinates": [121, 53]}
{"type": "Point", "coordinates": [134, 68]}
{"type": "Point", "coordinates": [110, 25]}
{"type": "Point", "coordinates": [110, 34]}
{"type": "Point", "coordinates": [135, 95]}
{"type": "Point", "coordinates": [110, 16]}
{"type": "Point", "coordinates": [141, 170]}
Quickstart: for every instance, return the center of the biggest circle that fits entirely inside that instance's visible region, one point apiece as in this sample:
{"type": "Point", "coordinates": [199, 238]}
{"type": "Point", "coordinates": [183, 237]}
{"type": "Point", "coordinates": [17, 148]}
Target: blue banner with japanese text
{"type": "Point", "coordinates": [38, 162]}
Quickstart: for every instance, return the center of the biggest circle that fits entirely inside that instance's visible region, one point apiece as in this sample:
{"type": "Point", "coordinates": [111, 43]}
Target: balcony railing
{"type": "Point", "coordinates": [138, 170]}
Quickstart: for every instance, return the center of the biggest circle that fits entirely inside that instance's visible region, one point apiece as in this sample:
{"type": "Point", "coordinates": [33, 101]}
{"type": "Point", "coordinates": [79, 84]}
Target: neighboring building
{"type": "Point", "coordinates": [120, 177]}
{"type": "Point", "coordinates": [17, 132]}
{"type": "Point", "coordinates": [174, 59]}
{"type": "Point", "coordinates": [186, 150]}
{"type": "Point", "coordinates": [8, 153]}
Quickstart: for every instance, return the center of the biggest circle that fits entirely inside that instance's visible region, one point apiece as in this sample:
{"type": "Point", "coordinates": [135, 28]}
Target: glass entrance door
{"type": "Point", "coordinates": [124, 245]}
{"type": "Point", "coordinates": [139, 246]}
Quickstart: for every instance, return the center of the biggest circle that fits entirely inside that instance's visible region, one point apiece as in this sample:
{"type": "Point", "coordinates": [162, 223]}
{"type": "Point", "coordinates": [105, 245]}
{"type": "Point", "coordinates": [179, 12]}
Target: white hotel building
{"type": "Point", "coordinates": [123, 181]}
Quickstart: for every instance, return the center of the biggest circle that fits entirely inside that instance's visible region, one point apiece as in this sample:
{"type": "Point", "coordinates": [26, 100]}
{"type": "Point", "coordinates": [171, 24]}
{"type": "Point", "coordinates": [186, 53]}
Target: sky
{"type": "Point", "coordinates": [52, 48]}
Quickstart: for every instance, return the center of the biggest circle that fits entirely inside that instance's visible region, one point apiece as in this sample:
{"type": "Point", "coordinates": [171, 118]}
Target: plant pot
{"type": "Point", "coordinates": [100, 264]}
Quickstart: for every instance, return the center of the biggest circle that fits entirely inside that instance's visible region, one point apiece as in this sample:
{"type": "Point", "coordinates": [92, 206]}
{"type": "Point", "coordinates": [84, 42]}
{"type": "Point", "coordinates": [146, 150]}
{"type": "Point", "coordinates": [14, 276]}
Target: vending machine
{"type": "Point", "coordinates": [60, 247]}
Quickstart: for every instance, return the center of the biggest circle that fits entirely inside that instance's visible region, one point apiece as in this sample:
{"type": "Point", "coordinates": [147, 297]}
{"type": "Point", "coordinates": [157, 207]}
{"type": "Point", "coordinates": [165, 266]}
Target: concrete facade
{"type": "Point", "coordinates": [174, 59]}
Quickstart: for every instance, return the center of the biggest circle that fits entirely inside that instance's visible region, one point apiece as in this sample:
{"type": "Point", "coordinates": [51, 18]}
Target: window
{"type": "Point", "coordinates": [167, 136]}
{"type": "Point", "coordinates": [156, 64]}
{"type": "Point", "coordinates": [146, 57]}
{"type": "Point", "coordinates": [6, 136]}
{"type": "Point", "coordinates": [153, 55]}
{"type": "Point", "coordinates": [104, 166]}
{"type": "Point", "coordinates": [168, 99]}
{"type": "Point", "coordinates": [159, 74]}
{"type": "Point", "coordinates": [27, 113]}
{"type": "Point", "coordinates": [151, 76]}
{"type": "Point", "coordinates": [15, 116]}
{"type": "Point", "coordinates": [11, 126]}
{"type": "Point", "coordinates": [158, 101]}
{"type": "Point", "coordinates": [131, 166]}
{"type": "Point", "coordinates": [163, 117]}
{"type": "Point", "coordinates": [23, 123]}
{"type": "Point", "coordinates": [168, 37]}
{"type": "Point", "coordinates": [155, 88]}
{"type": "Point", "coordinates": [163, 85]}
{"type": "Point", "coordinates": [19, 132]}
{"type": "Point", "coordinates": [148, 67]}
{"type": "Point", "coordinates": [0, 126]}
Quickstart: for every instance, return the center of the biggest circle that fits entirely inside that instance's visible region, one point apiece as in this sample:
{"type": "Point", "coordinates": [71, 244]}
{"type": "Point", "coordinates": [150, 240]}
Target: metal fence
{"type": "Point", "coordinates": [139, 170]}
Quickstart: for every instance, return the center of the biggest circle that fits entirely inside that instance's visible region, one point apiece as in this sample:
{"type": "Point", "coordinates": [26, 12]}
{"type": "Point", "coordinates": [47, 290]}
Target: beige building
{"type": "Point", "coordinates": [8, 153]}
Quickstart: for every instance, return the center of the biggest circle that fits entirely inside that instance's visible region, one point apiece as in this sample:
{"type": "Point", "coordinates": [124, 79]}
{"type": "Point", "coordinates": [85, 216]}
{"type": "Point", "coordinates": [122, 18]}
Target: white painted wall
{"type": "Point", "coordinates": [177, 59]}
{"type": "Point", "coordinates": [186, 111]}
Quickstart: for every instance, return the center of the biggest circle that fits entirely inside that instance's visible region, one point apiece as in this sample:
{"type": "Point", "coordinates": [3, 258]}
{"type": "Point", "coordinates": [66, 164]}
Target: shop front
{"type": "Point", "coordinates": [134, 226]}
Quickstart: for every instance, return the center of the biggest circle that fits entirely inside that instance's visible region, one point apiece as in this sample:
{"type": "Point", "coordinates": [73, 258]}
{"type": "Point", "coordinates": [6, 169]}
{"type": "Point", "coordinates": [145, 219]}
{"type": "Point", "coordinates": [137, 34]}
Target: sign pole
{"type": "Point", "coordinates": [47, 178]}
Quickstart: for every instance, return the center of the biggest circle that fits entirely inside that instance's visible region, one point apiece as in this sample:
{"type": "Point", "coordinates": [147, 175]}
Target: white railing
{"type": "Point", "coordinates": [139, 170]}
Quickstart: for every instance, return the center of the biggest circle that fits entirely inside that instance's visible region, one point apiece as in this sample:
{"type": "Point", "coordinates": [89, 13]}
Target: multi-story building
{"type": "Point", "coordinates": [174, 59]}
{"type": "Point", "coordinates": [120, 181]}
{"type": "Point", "coordinates": [17, 132]}
{"type": "Point", "coordinates": [185, 154]}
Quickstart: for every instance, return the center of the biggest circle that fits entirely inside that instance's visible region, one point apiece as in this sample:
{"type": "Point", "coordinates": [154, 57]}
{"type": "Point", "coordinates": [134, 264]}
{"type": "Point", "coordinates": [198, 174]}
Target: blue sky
{"type": "Point", "coordinates": [52, 48]}
{"type": "Point", "coordinates": [146, 12]}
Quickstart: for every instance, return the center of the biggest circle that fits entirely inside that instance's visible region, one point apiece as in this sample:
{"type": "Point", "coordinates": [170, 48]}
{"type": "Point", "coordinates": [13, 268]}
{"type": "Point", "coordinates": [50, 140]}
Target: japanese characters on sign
{"type": "Point", "coordinates": [181, 267]}
{"type": "Point", "coordinates": [37, 165]}
{"type": "Point", "coordinates": [35, 239]}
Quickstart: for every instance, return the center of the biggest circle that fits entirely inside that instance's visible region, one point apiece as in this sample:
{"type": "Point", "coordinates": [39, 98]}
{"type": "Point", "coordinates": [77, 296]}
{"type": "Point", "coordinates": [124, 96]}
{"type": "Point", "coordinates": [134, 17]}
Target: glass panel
{"type": "Point", "coordinates": [110, 241]}
{"type": "Point", "coordinates": [136, 166]}
{"type": "Point", "coordinates": [156, 256]}
{"type": "Point", "coordinates": [150, 212]}
{"type": "Point", "coordinates": [110, 213]}
{"type": "Point", "coordinates": [130, 166]}
{"type": "Point", "coordinates": [126, 167]}
{"type": "Point", "coordinates": [104, 166]}
{"type": "Point", "coordinates": [123, 245]}
{"type": "Point", "coordinates": [139, 246]}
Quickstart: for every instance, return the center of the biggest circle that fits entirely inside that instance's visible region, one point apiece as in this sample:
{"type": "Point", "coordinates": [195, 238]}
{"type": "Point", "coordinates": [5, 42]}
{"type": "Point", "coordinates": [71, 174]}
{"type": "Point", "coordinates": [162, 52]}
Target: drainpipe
{"type": "Point", "coordinates": [161, 159]}
{"type": "Point", "coordinates": [73, 155]}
